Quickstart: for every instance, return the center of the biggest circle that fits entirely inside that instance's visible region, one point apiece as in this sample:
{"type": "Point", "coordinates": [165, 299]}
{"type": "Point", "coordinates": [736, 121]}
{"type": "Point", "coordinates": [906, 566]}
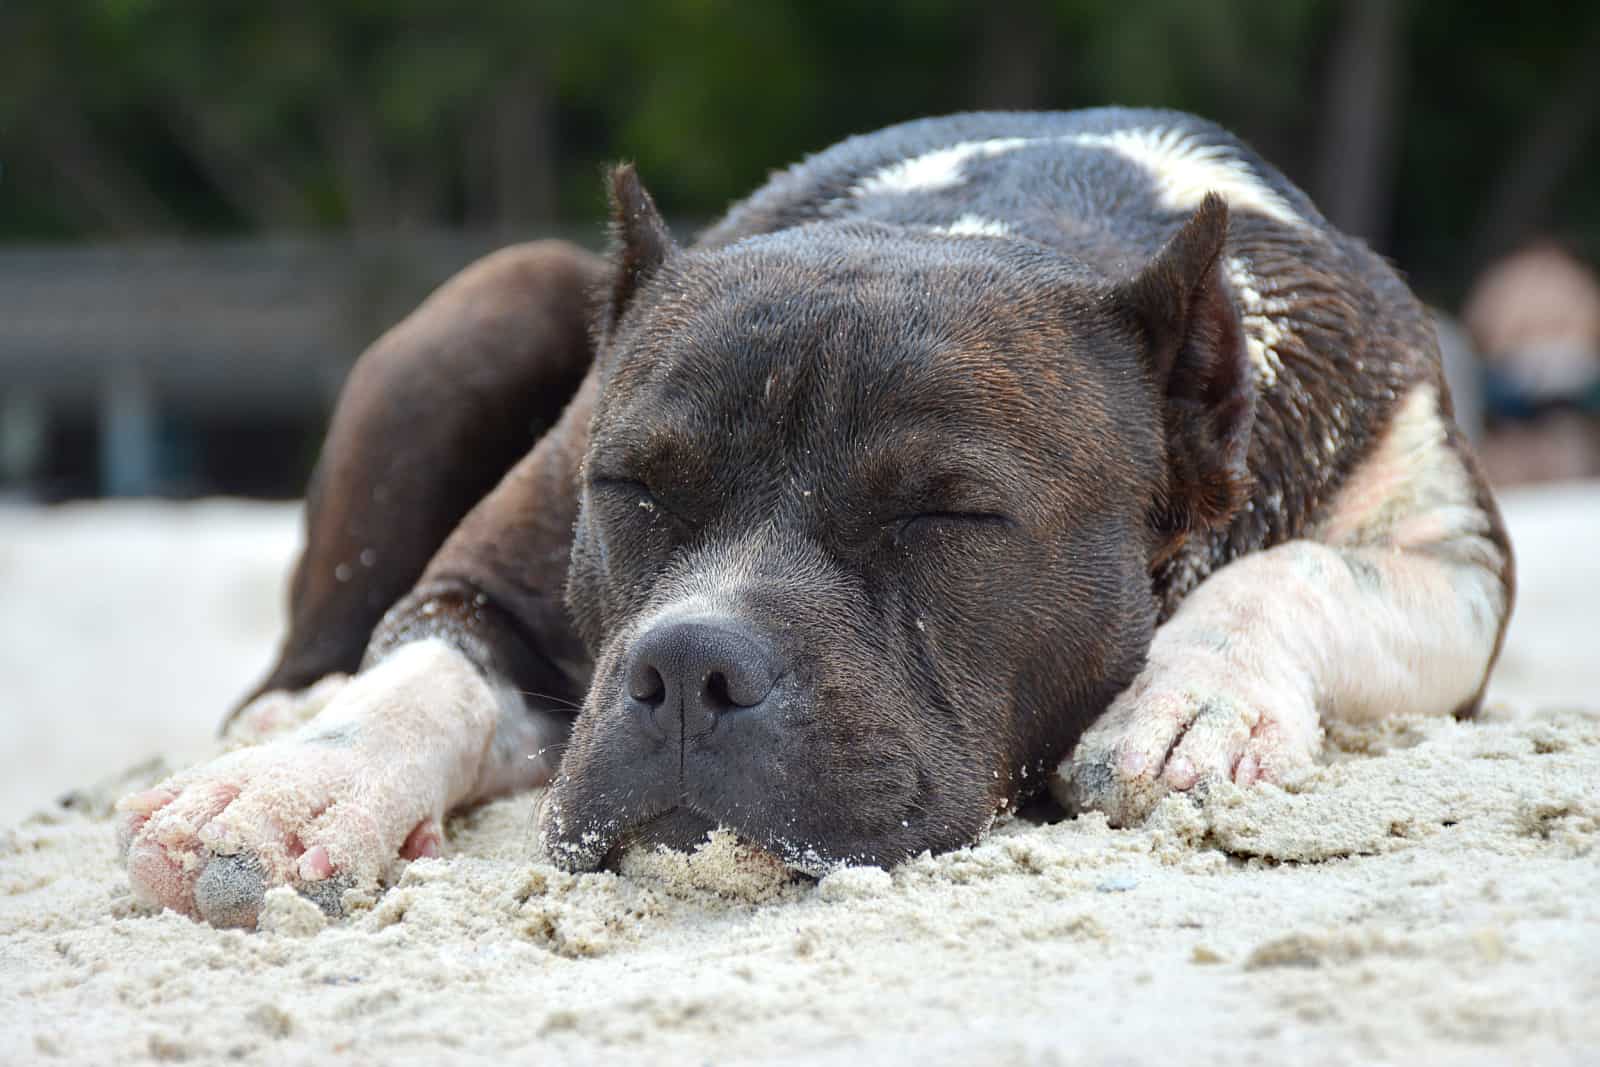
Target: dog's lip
{"type": "Point", "coordinates": [585, 826]}
{"type": "Point", "coordinates": [596, 846]}
{"type": "Point", "coordinates": [602, 847]}
{"type": "Point", "coordinates": [685, 838]}
{"type": "Point", "coordinates": [576, 849]}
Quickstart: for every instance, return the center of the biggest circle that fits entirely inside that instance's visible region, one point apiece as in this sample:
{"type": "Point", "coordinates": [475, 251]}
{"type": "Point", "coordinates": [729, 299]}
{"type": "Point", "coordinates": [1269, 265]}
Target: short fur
{"type": "Point", "coordinates": [989, 428]}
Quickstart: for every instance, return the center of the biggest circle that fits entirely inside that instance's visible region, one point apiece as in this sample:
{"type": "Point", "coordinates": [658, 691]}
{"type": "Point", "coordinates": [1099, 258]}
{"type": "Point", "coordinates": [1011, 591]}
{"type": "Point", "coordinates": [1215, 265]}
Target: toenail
{"type": "Point", "coordinates": [315, 864]}
{"type": "Point", "coordinates": [422, 842]}
{"type": "Point", "coordinates": [1180, 773]}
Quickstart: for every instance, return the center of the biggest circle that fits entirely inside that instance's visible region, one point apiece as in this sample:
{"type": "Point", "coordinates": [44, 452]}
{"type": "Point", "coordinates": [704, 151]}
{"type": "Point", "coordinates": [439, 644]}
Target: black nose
{"type": "Point", "coordinates": [684, 673]}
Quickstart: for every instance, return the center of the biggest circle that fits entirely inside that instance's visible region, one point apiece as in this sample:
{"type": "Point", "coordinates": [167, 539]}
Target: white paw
{"type": "Point", "coordinates": [1180, 727]}
{"type": "Point", "coordinates": [211, 841]}
{"type": "Point", "coordinates": [335, 804]}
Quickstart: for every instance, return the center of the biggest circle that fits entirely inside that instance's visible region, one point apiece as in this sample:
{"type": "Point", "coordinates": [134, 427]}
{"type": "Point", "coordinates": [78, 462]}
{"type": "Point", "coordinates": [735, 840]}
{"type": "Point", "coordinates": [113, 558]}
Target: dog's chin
{"type": "Point", "coordinates": [681, 830]}
{"type": "Point", "coordinates": [685, 830]}
{"type": "Point", "coordinates": [579, 837]}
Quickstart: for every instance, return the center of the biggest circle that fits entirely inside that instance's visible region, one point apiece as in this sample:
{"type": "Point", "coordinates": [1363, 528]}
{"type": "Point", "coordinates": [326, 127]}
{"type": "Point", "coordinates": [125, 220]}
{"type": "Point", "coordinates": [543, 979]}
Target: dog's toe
{"type": "Point", "coordinates": [161, 830]}
{"type": "Point", "coordinates": [1120, 765]}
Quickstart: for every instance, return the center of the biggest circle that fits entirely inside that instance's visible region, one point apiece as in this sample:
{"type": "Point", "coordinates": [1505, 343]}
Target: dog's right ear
{"type": "Point", "coordinates": [1197, 359]}
{"type": "Point", "coordinates": [640, 239]}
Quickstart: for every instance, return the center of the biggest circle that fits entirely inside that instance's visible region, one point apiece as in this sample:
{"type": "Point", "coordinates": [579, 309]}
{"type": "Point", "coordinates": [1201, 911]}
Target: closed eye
{"type": "Point", "coordinates": [959, 516]}
{"type": "Point", "coordinates": [643, 496]}
{"type": "Point", "coordinates": [621, 485]}
{"type": "Point", "coordinates": [950, 518]}
{"type": "Point", "coordinates": [628, 488]}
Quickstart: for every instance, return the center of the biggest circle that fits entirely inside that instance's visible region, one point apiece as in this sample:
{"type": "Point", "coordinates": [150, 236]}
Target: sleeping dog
{"type": "Point", "coordinates": [972, 457]}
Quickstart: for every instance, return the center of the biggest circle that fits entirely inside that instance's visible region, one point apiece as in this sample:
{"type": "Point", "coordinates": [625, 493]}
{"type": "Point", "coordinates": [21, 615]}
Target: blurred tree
{"type": "Point", "coordinates": [1351, 182]}
{"type": "Point", "coordinates": [1441, 130]}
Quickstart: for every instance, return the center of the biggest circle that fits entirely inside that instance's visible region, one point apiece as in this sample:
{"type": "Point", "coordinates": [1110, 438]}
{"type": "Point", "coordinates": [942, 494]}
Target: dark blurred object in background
{"type": "Point", "coordinates": [183, 369]}
{"type": "Point", "coordinates": [1535, 317]}
{"type": "Point", "coordinates": [261, 188]}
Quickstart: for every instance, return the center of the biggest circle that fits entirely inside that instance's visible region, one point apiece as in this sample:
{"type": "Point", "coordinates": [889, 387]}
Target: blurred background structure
{"type": "Point", "coordinates": [207, 209]}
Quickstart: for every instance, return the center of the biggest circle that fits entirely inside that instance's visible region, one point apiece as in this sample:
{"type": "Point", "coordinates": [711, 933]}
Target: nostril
{"type": "Point", "coordinates": [744, 686]}
{"type": "Point", "coordinates": [646, 685]}
{"type": "Point", "coordinates": [715, 692]}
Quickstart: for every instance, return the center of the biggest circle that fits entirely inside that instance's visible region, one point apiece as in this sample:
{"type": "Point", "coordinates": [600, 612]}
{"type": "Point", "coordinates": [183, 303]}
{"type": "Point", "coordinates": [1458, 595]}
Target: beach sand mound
{"type": "Point", "coordinates": [1427, 894]}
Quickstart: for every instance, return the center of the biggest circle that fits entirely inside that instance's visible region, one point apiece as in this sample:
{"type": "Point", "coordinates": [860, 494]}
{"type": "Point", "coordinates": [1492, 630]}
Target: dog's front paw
{"type": "Point", "coordinates": [320, 816]}
{"type": "Point", "coordinates": [1178, 729]}
{"type": "Point", "coordinates": [333, 805]}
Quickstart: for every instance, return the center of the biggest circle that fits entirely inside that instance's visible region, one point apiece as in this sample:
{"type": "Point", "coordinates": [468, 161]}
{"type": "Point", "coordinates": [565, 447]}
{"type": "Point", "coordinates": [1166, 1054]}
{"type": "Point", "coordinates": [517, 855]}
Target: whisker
{"type": "Point", "coordinates": [561, 702]}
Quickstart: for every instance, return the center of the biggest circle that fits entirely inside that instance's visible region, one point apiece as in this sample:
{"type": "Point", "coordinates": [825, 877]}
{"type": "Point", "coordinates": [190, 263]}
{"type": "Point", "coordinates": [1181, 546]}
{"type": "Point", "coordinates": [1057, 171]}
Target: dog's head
{"type": "Point", "coordinates": [867, 522]}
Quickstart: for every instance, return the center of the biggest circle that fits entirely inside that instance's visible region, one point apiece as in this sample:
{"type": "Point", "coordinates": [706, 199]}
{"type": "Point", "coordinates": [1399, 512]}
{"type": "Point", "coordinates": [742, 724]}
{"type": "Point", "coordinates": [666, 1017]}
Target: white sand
{"type": "Point", "coordinates": [1427, 896]}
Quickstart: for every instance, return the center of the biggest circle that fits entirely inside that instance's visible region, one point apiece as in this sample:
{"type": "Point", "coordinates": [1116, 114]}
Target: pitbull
{"type": "Point", "coordinates": [976, 456]}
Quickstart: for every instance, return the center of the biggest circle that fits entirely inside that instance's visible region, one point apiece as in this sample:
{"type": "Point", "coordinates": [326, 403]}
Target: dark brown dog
{"type": "Point", "coordinates": [953, 447]}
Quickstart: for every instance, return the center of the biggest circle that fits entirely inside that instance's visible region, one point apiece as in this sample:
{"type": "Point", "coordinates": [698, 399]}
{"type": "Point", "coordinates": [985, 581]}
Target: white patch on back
{"type": "Point", "coordinates": [970, 225]}
{"type": "Point", "coordinates": [939, 169]}
{"type": "Point", "coordinates": [1183, 166]}
{"type": "Point", "coordinates": [1186, 168]}
{"type": "Point", "coordinates": [1259, 315]}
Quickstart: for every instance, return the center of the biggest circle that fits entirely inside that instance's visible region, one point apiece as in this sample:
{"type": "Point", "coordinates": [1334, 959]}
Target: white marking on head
{"type": "Point", "coordinates": [939, 169]}
{"type": "Point", "coordinates": [970, 225]}
{"type": "Point", "coordinates": [1185, 168]}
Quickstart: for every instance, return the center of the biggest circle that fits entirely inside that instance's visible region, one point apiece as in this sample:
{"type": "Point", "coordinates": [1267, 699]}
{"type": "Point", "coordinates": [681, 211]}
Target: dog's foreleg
{"type": "Point", "coordinates": [459, 699]}
{"type": "Point", "coordinates": [1395, 603]}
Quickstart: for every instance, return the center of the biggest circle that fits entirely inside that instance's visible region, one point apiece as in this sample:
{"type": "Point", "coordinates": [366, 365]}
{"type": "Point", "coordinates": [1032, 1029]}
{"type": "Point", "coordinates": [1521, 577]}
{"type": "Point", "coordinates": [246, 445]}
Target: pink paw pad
{"type": "Point", "coordinates": [426, 841]}
{"type": "Point", "coordinates": [315, 866]}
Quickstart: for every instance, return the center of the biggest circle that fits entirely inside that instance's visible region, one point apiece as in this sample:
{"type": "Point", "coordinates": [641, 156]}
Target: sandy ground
{"type": "Point", "coordinates": [1428, 895]}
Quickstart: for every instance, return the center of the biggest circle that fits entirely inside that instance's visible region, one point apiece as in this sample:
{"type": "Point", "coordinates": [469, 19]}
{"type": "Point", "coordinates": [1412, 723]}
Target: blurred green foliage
{"type": "Point", "coordinates": [132, 118]}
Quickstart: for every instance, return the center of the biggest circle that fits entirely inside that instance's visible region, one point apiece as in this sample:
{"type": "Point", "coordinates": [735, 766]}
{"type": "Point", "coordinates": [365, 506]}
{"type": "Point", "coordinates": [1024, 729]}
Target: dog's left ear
{"type": "Point", "coordinates": [641, 241]}
{"type": "Point", "coordinates": [1196, 357]}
